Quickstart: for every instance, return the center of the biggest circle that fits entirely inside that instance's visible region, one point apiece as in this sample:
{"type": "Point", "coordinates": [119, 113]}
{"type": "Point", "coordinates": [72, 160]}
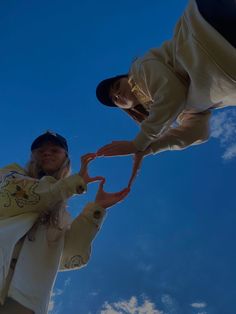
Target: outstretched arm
{"type": "Point", "coordinates": [78, 239]}
{"type": "Point", "coordinates": [193, 129]}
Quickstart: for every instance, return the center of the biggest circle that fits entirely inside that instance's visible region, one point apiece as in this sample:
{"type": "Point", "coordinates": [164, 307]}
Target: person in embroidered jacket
{"type": "Point", "coordinates": [178, 83]}
{"type": "Point", "coordinates": [37, 235]}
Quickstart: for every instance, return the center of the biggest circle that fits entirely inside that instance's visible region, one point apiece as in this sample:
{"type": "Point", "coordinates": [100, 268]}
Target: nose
{"type": "Point", "coordinates": [116, 94]}
{"type": "Point", "coordinates": [46, 152]}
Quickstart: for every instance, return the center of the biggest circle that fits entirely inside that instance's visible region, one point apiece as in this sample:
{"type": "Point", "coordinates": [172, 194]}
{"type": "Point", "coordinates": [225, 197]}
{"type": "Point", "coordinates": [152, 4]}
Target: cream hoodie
{"type": "Point", "coordinates": [193, 72]}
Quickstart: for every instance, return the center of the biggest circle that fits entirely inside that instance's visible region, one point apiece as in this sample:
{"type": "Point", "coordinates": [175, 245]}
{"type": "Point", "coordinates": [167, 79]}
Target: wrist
{"type": "Point", "coordinates": [94, 212]}
{"type": "Point", "coordinates": [102, 204]}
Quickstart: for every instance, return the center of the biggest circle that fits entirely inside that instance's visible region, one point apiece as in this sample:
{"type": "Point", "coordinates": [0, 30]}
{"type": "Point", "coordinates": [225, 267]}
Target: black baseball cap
{"type": "Point", "coordinates": [103, 90]}
{"type": "Point", "coordinates": [50, 136]}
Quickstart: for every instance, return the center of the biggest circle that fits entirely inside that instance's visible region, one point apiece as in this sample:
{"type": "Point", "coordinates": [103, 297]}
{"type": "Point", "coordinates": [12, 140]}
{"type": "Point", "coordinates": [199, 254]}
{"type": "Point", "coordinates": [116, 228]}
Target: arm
{"type": "Point", "coordinates": [78, 239]}
{"type": "Point", "coordinates": [21, 194]}
{"type": "Point", "coordinates": [193, 129]}
{"type": "Point", "coordinates": [167, 93]}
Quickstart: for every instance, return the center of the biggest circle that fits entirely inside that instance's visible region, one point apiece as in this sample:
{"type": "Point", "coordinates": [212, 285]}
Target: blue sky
{"type": "Point", "coordinates": [169, 248]}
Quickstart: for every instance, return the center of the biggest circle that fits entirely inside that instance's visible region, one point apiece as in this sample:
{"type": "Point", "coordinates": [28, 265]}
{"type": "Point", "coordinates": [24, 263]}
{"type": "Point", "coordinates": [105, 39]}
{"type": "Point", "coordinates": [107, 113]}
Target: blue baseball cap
{"type": "Point", "coordinates": [50, 136]}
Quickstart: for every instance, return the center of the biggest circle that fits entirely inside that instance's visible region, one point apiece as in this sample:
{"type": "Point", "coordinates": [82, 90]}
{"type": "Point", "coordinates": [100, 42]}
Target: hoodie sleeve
{"type": "Point", "coordinates": [193, 129]}
{"type": "Point", "coordinates": [78, 239]}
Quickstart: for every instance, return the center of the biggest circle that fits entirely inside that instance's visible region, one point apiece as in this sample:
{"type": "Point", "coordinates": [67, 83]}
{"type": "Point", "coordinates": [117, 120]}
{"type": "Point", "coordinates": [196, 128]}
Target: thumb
{"type": "Point", "coordinates": [101, 184]}
{"type": "Point", "coordinates": [97, 178]}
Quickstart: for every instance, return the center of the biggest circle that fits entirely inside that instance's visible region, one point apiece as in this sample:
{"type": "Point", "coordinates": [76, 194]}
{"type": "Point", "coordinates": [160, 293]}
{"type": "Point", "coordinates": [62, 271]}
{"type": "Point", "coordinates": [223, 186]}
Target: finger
{"type": "Point", "coordinates": [104, 150]}
{"type": "Point", "coordinates": [89, 154]}
{"type": "Point", "coordinates": [124, 191]}
{"type": "Point", "coordinates": [104, 147]}
{"type": "Point", "coordinates": [131, 181]}
{"type": "Point", "coordinates": [97, 178]}
{"type": "Point", "coordinates": [133, 176]}
{"type": "Point", "coordinates": [136, 167]}
{"type": "Point", "coordinates": [123, 194]}
{"type": "Point", "coordinates": [88, 157]}
{"type": "Point", "coordinates": [108, 147]}
{"type": "Point", "coordinates": [109, 154]}
{"type": "Point", "coordinates": [100, 187]}
{"type": "Point", "coordinates": [112, 152]}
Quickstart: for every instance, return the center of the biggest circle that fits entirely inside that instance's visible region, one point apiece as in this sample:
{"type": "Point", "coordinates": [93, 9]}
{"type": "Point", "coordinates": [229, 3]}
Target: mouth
{"type": "Point", "coordinates": [47, 160]}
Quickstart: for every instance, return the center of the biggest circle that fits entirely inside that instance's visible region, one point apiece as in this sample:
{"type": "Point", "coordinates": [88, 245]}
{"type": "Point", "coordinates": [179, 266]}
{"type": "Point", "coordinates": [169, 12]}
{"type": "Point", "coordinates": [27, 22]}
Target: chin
{"type": "Point", "coordinates": [49, 171]}
{"type": "Point", "coordinates": [129, 105]}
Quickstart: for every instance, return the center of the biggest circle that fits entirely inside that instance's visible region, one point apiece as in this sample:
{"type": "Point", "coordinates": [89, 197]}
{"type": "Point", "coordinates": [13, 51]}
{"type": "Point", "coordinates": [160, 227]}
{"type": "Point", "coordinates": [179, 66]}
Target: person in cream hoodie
{"type": "Point", "coordinates": [172, 90]}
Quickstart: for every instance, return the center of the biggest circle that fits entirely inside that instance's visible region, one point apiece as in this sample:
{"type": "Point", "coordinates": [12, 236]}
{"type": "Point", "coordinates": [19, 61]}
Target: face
{"type": "Point", "coordinates": [50, 157]}
{"type": "Point", "coordinates": [121, 94]}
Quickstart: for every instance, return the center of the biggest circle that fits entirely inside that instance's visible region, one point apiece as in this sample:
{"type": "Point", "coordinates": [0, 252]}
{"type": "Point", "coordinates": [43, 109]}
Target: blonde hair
{"type": "Point", "coordinates": [34, 170]}
{"type": "Point", "coordinates": [53, 217]}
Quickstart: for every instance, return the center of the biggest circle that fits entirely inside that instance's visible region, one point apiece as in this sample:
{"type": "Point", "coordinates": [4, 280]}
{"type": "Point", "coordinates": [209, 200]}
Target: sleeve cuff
{"type": "Point", "coordinates": [74, 185]}
{"type": "Point", "coordinates": [142, 141]}
{"type": "Point", "coordinates": [159, 146]}
{"type": "Point", "coordinates": [94, 213]}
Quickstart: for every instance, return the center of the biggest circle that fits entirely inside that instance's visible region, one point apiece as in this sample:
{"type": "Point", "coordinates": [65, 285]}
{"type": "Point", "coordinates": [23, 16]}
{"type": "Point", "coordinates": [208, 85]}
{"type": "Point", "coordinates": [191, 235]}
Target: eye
{"type": "Point", "coordinates": [55, 150]}
{"type": "Point", "coordinates": [39, 151]}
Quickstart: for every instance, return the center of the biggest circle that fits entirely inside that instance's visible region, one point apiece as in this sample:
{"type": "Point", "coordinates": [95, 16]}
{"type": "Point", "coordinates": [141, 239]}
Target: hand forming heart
{"type": "Point", "coordinates": [86, 159]}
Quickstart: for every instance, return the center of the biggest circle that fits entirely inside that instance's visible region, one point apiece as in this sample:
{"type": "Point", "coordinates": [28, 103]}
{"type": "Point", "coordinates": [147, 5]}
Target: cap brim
{"type": "Point", "coordinates": [47, 137]}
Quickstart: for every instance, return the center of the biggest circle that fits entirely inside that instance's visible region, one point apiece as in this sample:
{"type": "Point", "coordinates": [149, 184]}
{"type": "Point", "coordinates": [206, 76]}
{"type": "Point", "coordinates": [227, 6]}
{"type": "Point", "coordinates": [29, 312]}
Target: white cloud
{"type": "Point", "coordinates": [169, 303]}
{"type": "Point", "coordinates": [230, 152]}
{"type": "Point", "coordinates": [144, 267]}
{"type": "Point", "coordinates": [167, 300]}
{"type": "Point", "coordinates": [67, 282]}
{"type": "Point", "coordinates": [131, 306]}
{"type": "Point", "coordinates": [223, 128]}
{"type": "Point", "coordinates": [199, 305]}
{"type": "Point", "coordinates": [54, 295]}
{"type": "Point", "coordinates": [223, 125]}
{"type": "Point", "coordinates": [94, 293]}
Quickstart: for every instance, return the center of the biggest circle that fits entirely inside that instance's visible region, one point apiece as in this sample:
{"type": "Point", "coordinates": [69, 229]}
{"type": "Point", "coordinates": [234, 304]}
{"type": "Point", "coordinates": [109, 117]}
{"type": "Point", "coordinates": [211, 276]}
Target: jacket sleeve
{"type": "Point", "coordinates": [193, 129]}
{"type": "Point", "coordinates": [20, 194]}
{"type": "Point", "coordinates": [79, 237]}
{"type": "Point", "coordinates": [167, 93]}
{"type": "Point", "coordinates": [54, 191]}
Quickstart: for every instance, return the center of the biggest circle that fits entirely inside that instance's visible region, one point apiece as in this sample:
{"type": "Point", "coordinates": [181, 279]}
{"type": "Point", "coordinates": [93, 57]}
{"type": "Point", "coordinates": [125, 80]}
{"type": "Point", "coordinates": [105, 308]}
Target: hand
{"type": "Point", "coordinates": [107, 200]}
{"type": "Point", "coordinates": [117, 148]}
{"type": "Point", "coordinates": [85, 160]}
{"type": "Point", "coordinates": [138, 158]}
